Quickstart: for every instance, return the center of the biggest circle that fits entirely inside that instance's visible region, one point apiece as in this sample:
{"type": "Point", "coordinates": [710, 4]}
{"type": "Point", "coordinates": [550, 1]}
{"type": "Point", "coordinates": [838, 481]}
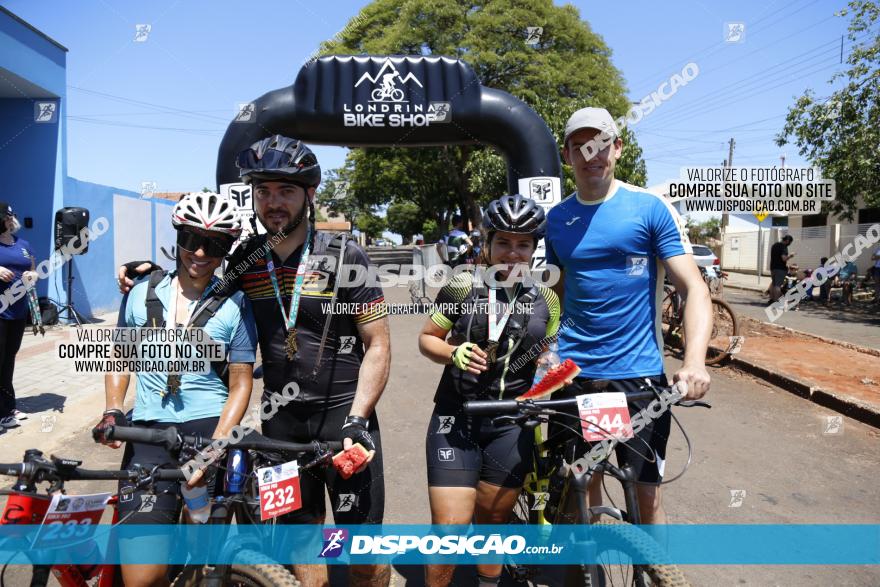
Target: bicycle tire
{"type": "Point", "coordinates": [644, 545]}
{"type": "Point", "coordinates": [724, 326]}
{"type": "Point", "coordinates": [669, 318]}
{"type": "Point", "coordinates": [242, 574]}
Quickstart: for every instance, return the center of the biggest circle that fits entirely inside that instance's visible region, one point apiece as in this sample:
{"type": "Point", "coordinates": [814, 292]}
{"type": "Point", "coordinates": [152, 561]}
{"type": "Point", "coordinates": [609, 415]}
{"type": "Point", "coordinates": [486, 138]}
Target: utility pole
{"type": "Point", "coordinates": [727, 163]}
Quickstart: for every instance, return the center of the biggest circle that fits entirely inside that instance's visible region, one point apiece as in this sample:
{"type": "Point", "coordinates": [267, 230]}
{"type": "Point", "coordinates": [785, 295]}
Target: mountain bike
{"type": "Point", "coordinates": [240, 499]}
{"type": "Point", "coordinates": [26, 506]}
{"type": "Point", "coordinates": [556, 494]}
{"type": "Point", "coordinates": [724, 340]}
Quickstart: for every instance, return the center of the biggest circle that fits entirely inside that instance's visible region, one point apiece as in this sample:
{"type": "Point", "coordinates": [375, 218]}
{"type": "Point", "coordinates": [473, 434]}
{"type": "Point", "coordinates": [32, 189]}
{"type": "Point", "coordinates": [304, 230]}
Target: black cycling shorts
{"type": "Point", "coordinates": [647, 461]}
{"type": "Point", "coordinates": [463, 450]}
{"type": "Point", "coordinates": [164, 504]}
{"type": "Point", "coordinates": [359, 499]}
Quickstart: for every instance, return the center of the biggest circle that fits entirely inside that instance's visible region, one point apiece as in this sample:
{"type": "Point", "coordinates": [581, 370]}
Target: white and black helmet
{"type": "Point", "coordinates": [208, 211]}
{"type": "Point", "coordinates": [515, 213]}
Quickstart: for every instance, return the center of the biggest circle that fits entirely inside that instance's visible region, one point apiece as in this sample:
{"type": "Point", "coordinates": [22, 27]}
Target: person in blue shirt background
{"type": "Point", "coordinates": [613, 243]}
{"type": "Point", "coordinates": [16, 263]}
{"type": "Point", "coordinates": [198, 404]}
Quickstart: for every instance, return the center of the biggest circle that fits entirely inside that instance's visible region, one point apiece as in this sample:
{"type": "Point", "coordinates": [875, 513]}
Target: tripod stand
{"type": "Point", "coordinates": [72, 314]}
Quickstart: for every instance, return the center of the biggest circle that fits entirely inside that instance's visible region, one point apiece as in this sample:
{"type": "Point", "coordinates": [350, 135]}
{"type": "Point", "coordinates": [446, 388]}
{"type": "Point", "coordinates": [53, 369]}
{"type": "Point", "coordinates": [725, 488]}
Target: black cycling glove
{"type": "Point", "coordinates": [130, 269]}
{"type": "Point", "coordinates": [355, 428]}
{"type": "Point", "coordinates": [110, 418]}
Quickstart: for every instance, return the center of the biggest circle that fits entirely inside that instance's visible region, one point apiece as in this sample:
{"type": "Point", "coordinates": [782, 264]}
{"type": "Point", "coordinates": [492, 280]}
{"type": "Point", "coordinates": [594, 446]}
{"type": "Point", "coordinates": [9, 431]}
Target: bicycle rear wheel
{"type": "Point", "coordinates": [615, 566]}
{"type": "Point", "coordinates": [242, 575]}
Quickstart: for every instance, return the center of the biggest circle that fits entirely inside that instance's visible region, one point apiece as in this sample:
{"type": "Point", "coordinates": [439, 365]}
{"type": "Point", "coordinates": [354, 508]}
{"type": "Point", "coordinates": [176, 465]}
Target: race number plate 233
{"type": "Point", "coordinates": [604, 416]}
{"type": "Point", "coordinates": [279, 490]}
{"type": "Point", "coordinates": [70, 518]}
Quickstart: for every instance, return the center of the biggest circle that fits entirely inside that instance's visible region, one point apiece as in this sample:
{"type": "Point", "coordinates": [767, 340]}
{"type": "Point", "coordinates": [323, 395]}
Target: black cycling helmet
{"type": "Point", "coordinates": [515, 213]}
{"type": "Point", "coordinates": [279, 158]}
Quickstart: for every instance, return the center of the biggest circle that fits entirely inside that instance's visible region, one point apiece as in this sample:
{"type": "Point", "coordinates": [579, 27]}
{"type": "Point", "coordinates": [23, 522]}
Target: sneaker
{"type": "Point", "coordinates": [9, 422]}
{"type": "Point", "coordinates": [19, 414]}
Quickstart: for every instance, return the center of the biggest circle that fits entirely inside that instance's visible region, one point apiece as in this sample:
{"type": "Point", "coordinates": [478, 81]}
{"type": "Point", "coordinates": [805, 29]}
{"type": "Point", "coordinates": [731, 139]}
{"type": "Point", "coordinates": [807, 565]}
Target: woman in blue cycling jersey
{"type": "Point", "coordinates": [489, 337]}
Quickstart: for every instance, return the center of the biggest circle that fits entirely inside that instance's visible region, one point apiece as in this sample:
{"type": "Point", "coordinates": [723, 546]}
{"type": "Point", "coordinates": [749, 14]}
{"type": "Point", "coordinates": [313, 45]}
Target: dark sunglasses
{"type": "Point", "coordinates": [214, 246]}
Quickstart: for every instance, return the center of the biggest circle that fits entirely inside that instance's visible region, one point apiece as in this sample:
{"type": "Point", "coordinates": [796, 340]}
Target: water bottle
{"type": "Point", "coordinates": [547, 360]}
{"type": "Point", "coordinates": [197, 503]}
{"type": "Point", "coordinates": [236, 471]}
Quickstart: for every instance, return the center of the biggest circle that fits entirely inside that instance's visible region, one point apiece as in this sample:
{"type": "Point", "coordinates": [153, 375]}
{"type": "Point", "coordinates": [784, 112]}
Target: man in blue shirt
{"type": "Point", "coordinates": [197, 404]}
{"type": "Point", "coordinates": [614, 242]}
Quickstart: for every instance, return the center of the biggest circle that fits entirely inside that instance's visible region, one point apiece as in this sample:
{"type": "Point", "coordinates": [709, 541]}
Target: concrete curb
{"type": "Point", "coordinates": [756, 288]}
{"type": "Point", "coordinates": [843, 404]}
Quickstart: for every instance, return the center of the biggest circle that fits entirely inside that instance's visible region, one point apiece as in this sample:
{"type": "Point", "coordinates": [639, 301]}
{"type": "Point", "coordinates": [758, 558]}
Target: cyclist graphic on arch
{"type": "Point", "coordinates": [387, 91]}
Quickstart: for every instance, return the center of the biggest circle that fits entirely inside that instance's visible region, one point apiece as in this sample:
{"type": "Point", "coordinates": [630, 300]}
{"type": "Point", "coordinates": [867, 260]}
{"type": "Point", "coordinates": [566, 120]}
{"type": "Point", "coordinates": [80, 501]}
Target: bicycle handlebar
{"type": "Point", "coordinates": [173, 441]}
{"type": "Point", "coordinates": [51, 471]}
{"type": "Point", "coordinates": [535, 407]}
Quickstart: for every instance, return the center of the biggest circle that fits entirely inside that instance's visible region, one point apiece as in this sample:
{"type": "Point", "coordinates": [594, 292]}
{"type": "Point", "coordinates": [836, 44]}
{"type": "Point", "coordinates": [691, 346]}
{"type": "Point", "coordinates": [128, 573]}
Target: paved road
{"type": "Point", "coordinates": [756, 438]}
{"type": "Point", "coordinates": [859, 324]}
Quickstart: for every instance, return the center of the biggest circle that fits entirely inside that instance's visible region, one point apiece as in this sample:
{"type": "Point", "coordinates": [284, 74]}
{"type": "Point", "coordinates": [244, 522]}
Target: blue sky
{"type": "Point", "coordinates": [156, 110]}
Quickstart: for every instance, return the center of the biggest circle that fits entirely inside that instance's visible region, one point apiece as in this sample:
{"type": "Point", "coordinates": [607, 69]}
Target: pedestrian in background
{"type": "Point", "coordinates": [779, 258]}
{"type": "Point", "coordinates": [16, 263]}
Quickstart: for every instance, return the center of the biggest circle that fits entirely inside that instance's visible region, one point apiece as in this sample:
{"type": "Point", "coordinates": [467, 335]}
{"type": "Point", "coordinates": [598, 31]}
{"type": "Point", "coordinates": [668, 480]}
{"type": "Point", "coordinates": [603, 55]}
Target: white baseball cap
{"type": "Point", "coordinates": [590, 117]}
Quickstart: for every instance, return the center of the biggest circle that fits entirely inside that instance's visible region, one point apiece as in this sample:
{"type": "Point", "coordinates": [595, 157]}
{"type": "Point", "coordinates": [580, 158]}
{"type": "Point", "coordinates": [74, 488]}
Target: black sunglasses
{"type": "Point", "coordinates": [214, 246]}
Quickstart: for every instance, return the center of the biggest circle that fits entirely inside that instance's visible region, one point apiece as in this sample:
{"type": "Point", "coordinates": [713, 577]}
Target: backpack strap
{"type": "Point", "coordinates": [331, 250]}
{"type": "Point", "coordinates": [156, 318]}
{"type": "Point", "coordinates": [155, 310]}
{"type": "Point", "coordinates": [207, 311]}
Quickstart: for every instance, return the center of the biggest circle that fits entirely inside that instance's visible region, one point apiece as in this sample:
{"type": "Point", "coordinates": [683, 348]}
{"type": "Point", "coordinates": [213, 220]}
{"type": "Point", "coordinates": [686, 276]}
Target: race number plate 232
{"type": "Point", "coordinates": [604, 416]}
{"type": "Point", "coordinates": [279, 490]}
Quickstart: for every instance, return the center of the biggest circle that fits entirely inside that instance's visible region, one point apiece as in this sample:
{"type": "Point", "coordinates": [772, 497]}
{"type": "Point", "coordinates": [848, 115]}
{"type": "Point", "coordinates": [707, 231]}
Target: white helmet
{"type": "Point", "coordinates": [208, 211]}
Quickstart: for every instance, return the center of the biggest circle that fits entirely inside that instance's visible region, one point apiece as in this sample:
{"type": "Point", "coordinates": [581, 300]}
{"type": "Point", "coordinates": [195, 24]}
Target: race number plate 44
{"type": "Point", "coordinates": [604, 416]}
{"type": "Point", "coordinates": [279, 490]}
{"type": "Point", "coordinates": [70, 518]}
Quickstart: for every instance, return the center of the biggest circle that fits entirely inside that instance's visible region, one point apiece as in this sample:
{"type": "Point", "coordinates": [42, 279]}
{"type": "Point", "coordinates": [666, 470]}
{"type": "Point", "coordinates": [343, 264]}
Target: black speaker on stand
{"type": "Point", "coordinates": [69, 222]}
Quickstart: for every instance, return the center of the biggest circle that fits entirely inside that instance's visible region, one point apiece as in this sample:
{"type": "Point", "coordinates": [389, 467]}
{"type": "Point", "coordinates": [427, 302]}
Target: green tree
{"type": "Point", "coordinates": [840, 134]}
{"type": "Point", "coordinates": [701, 232]}
{"type": "Point", "coordinates": [405, 219]}
{"type": "Point", "coordinates": [370, 224]}
{"type": "Point", "coordinates": [571, 63]}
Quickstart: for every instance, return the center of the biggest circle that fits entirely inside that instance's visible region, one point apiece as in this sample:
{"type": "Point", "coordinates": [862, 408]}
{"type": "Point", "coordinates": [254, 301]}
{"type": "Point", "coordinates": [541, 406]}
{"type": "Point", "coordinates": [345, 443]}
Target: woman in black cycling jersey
{"type": "Point", "coordinates": [489, 337]}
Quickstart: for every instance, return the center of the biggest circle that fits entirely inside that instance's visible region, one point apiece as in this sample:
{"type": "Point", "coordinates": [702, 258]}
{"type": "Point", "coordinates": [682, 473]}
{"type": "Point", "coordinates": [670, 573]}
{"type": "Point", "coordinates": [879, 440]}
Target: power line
{"type": "Point", "coordinates": [203, 131]}
{"type": "Point", "coordinates": [717, 46]}
{"type": "Point", "coordinates": [751, 80]}
{"type": "Point", "coordinates": [167, 109]}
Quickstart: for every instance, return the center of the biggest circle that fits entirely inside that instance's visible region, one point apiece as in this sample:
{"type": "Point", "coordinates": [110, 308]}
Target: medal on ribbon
{"type": "Point", "coordinates": [291, 344]}
{"type": "Point", "coordinates": [289, 317]}
{"type": "Point", "coordinates": [173, 386]}
{"type": "Point", "coordinates": [492, 352]}
{"type": "Point", "coordinates": [496, 326]}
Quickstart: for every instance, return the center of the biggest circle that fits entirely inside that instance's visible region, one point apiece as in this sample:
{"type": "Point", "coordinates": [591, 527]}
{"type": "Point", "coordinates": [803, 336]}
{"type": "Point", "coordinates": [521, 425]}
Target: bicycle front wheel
{"type": "Point", "coordinates": [615, 563]}
{"type": "Point", "coordinates": [724, 329]}
{"type": "Point", "coordinates": [241, 575]}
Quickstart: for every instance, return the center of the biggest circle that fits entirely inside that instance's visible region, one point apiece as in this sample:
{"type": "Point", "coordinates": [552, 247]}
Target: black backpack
{"type": "Point", "coordinates": [156, 319]}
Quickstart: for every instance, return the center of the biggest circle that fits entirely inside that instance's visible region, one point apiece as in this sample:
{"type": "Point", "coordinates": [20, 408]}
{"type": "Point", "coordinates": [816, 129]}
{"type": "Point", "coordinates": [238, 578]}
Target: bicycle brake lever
{"type": "Point", "coordinates": [499, 420]}
{"type": "Point", "coordinates": [693, 403]}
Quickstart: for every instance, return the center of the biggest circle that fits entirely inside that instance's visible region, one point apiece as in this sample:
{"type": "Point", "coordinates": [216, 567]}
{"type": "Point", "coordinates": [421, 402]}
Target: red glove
{"type": "Point", "coordinates": [110, 418]}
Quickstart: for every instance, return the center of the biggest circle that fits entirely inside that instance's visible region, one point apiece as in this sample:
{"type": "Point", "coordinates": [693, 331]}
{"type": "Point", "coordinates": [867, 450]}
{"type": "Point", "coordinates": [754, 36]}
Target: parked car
{"type": "Point", "coordinates": [704, 257]}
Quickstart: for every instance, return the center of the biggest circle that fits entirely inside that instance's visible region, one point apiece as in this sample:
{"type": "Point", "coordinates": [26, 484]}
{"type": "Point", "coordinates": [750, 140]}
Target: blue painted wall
{"type": "Point", "coordinates": [94, 276]}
